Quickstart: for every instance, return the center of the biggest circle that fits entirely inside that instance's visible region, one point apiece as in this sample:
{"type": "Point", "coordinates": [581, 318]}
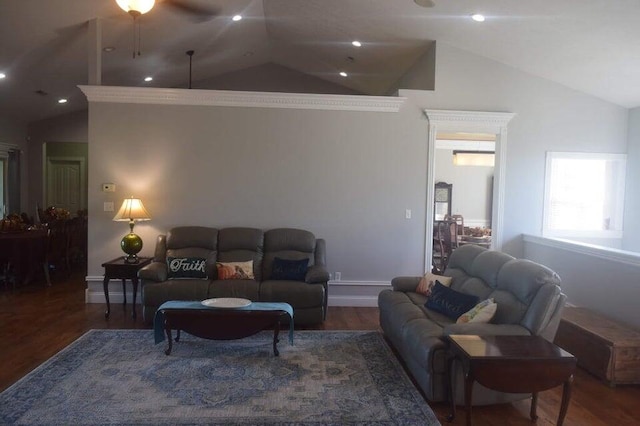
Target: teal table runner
{"type": "Point", "coordinates": [158, 319]}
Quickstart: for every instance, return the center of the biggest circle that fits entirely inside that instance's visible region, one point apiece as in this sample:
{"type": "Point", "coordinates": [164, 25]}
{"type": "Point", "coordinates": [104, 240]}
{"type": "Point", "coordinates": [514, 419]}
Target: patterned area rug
{"type": "Point", "coordinates": [111, 377]}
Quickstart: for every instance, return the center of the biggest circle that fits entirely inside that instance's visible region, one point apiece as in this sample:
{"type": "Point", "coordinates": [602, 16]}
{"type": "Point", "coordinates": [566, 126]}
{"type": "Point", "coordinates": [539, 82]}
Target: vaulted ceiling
{"type": "Point", "coordinates": [589, 45]}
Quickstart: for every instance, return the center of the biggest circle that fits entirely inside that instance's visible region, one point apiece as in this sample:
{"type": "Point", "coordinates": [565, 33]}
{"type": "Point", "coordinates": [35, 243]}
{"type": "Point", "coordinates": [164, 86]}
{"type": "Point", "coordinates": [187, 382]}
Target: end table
{"type": "Point", "coordinates": [119, 269]}
{"type": "Point", "coordinates": [516, 364]}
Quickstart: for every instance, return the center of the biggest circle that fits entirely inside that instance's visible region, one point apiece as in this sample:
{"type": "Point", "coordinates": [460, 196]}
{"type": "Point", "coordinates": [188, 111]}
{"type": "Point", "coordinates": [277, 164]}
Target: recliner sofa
{"type": "Point", "coordinates": [308, 297]}
{"type": "Point", "coordinates": [529, 302]}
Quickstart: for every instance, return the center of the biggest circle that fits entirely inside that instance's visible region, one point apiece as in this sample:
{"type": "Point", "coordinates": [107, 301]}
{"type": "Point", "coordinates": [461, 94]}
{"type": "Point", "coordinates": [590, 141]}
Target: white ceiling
{"type": "Point", "coordinates": [589, 45]}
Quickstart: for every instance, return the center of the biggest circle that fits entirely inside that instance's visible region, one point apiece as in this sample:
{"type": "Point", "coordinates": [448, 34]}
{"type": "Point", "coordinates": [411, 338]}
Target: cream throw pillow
{"type": "Point", "coordinates": [427, 282]}
{"type": "Point", "coordinates": [235, 270]}
{"type": "Point", "coordinates": [480, 314]}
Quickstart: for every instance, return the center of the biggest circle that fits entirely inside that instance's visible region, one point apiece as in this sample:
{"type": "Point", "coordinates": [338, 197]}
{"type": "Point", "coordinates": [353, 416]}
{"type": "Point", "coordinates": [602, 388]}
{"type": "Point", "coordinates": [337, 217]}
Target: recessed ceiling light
{"type": "Point", "coordinates": [109, 49]}
{"type": "Point", "coordinates": [2, 75]}
{"type": "Point", "coordinates": [344, 74]}
{"type": "Point", "coordinates": [356, 43]}
{"type": "Point", "coordinates": [62, 101]}
{"type": "Point", "coordinates": [148, 79]}
{"type": "Point", "coordinates": [236, 18]}
{"type": "Point", "coordinates": [478, 17]}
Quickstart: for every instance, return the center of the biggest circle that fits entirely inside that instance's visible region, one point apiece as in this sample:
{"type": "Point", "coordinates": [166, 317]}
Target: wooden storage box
{"type": "Point", "coordinates": [605, 348]}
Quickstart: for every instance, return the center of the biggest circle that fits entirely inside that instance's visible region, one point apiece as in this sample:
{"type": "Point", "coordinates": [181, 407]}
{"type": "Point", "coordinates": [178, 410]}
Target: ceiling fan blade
{"type": "Point", "coordinates": [424, 3]}
{"type": "Point", "coordinates": [197, 13]}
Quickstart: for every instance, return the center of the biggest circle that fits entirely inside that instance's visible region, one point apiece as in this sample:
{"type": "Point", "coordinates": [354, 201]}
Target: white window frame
{"type": "Point", "coordinates": [619, 189]}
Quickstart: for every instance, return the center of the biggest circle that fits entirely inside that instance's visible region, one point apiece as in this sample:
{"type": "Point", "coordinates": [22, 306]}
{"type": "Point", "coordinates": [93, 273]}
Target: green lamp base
{"type": "Point", "coordinates": [131, 244]}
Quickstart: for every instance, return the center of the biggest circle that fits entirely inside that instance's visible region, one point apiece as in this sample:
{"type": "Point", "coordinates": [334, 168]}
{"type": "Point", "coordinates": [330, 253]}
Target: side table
{"type": "Point", "coordinates": [119, 269]}
{"type": "Point", "coordinates": [515, 364]}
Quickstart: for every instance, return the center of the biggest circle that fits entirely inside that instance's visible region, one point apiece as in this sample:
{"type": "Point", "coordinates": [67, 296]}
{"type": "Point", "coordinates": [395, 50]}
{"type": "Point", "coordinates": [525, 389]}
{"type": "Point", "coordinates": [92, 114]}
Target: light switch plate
{"type": "Point", "coordinates": [108, 206]}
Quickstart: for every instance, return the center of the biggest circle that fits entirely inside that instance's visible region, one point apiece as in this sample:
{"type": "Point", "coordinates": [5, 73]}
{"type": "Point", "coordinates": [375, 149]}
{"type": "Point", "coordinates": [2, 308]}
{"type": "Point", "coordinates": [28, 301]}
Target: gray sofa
{"type": "Point", "coordinates": [308, 297]}
{"type": "Point", "coordinates": [529, 303]}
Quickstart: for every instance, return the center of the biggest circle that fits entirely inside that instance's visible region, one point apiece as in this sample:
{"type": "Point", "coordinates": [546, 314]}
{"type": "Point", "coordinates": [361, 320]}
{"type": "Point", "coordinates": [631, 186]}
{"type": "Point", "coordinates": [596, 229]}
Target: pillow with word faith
{"type": "Point", "coordinates": [186, 267]}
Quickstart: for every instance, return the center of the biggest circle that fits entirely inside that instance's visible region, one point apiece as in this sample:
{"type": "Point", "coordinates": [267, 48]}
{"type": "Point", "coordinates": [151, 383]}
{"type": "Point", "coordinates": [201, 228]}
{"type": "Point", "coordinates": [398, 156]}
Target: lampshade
{"type": "Point", "coordinates": [140, 6]}
{"type": "Point", "coordinates": [131, 210]}
{"type": "Point", "coordinates": [474, 158]}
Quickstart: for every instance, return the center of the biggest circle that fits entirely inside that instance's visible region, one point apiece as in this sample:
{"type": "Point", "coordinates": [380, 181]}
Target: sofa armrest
{"type": "Point", "coordinates": [317, 274]}
{"type": "Point", "coordinates": [405, 284]}
{"type": "Point", "coordinates": [155, 271]}
{"type": "Point", "coordinates": [486, 329]}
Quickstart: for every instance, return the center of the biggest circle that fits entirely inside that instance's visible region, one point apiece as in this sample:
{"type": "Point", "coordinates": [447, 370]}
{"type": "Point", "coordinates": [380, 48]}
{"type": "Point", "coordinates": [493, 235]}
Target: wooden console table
{"type": "Point", "coordinates": [514, 364]}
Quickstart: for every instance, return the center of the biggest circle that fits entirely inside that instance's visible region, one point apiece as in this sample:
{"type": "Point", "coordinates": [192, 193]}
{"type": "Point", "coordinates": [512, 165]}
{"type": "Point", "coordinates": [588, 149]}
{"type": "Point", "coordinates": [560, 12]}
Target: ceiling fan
{"type": "Point", "coordinates": [137, 8]}
{"type": "Point", "coordinates": [424, 3]}
{"type": "Point", "coordinates": [195, 11]}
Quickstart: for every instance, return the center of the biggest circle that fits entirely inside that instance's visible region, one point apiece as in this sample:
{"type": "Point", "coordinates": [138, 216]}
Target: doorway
{"type": "Point", "coordinates": [66, 183]}
{"type": "Point", "coordinates": [492, 123]}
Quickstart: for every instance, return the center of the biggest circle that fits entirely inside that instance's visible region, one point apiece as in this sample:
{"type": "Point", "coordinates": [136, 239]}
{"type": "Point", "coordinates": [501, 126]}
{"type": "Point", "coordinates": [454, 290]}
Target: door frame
{"type": "Point", "coordinates": [83, 177]}
{"type": "Point", "coordinates": [475, 122]}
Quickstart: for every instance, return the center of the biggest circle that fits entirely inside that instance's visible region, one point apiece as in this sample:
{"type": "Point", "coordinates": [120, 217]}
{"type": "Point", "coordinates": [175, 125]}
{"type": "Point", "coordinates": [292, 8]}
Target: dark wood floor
{"type": "Point", "coordinates": [36, 322]}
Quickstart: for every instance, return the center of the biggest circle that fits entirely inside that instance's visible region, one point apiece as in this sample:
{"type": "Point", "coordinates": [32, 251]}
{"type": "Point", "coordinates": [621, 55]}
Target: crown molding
{"type": "Point", "coordinates": [491, 122]}
{"type": "Point", "coordinates": [199, 97]}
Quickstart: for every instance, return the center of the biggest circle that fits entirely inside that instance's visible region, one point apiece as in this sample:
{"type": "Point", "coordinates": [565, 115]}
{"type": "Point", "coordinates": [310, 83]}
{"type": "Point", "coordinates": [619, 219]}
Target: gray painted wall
{"type": "Point", "coordinates": [631, 237]}
{"type": "Point", "coordinates": [601, 284]}
{"type": "Point", "coordinates": [346, 176]}
{"type": "Point", "coordinates": [549, 117]}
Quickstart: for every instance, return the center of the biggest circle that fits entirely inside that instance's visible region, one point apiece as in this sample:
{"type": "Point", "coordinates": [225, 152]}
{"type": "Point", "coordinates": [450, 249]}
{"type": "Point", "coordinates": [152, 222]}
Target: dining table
{"type": "Point", "coordinates": [22, 252]}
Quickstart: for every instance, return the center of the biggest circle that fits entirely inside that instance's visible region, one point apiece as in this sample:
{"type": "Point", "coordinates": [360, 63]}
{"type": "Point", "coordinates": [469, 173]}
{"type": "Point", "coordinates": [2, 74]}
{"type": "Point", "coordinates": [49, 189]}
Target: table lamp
{"type": "Point", "coordinates": [131, 210]}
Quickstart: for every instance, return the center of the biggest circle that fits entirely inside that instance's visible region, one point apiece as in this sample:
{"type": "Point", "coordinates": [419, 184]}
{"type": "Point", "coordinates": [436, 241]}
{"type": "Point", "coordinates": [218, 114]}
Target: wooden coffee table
{"type": "Point", "coordinates": [221, 324]}
{"type": "Point", "coordinates": [514, 364]}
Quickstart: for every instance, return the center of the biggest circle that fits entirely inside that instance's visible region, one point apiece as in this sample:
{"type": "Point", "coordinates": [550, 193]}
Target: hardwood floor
{"type": "Point", "coordinates": [37, 321]}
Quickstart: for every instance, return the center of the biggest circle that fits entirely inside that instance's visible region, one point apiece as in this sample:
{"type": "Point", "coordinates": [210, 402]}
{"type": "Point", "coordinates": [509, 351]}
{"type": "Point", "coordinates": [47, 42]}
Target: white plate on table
{"type": "Point", "coordinates": [226, 302]}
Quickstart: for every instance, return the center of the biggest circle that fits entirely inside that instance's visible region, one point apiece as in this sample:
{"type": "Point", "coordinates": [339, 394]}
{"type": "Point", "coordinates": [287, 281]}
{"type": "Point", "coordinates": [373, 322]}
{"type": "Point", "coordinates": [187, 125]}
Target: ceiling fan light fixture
{"type": "Point", "coordinates": [136, 6]}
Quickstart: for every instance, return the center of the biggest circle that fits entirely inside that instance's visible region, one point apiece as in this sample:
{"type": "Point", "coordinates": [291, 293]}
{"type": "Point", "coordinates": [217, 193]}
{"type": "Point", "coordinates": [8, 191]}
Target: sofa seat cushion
{"type": "Point", "coordinates": [422, 340]}
{"type": "Point", "coordinates": [155, 294]}
{"type": "Point", "coordinates": [245, 289]}
{"type": "Point", "coordinates": [297, 294]}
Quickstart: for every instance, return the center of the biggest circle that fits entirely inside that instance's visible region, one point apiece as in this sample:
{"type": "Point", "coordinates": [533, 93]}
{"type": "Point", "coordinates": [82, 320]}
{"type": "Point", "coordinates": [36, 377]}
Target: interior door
{"type": "Point", "coordinates": [64, 184]}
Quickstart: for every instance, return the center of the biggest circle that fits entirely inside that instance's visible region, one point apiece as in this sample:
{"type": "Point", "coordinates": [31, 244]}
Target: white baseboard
{"type": "Point", "coordinates": [341, 293]}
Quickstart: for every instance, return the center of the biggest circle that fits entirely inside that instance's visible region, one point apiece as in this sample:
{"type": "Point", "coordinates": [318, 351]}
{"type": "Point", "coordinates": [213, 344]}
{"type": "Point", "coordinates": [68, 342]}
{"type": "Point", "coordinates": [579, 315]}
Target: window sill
{"type": "Point", "coordinates": [623, 256]}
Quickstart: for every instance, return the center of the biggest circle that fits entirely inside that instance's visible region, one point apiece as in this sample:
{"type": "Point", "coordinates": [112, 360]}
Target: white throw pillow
{"type": "Point", "coordinates": [481, 313]}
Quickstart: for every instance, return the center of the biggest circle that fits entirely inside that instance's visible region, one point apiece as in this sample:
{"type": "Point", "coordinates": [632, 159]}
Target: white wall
{"type": "Point", "coordinates": [549, 117]}
{"type": "Point", "coordinates": [471, 191]}
{"type": "Point", "coordinates": [631, 236]}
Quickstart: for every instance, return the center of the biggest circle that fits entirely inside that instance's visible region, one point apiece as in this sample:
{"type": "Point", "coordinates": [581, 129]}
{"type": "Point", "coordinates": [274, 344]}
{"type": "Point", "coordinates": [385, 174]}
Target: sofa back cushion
{"type": "Point", "coordinates": [193, 242]}
{"type": "Point", "coordinates": [526, 292]}
{"type": "Point", "coordinates": [242, 245]}
{"type": "Point", "coordinates": [288, 244]}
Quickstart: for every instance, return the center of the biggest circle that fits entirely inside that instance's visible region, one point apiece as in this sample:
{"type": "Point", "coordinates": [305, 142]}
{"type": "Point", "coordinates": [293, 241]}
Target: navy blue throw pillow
{"type": "Point", "coordinates": [186, 267]}
{"type": "Point", "coordinates": [449, 302]}
{"type": "Point", "coordinates": [293, 270]}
